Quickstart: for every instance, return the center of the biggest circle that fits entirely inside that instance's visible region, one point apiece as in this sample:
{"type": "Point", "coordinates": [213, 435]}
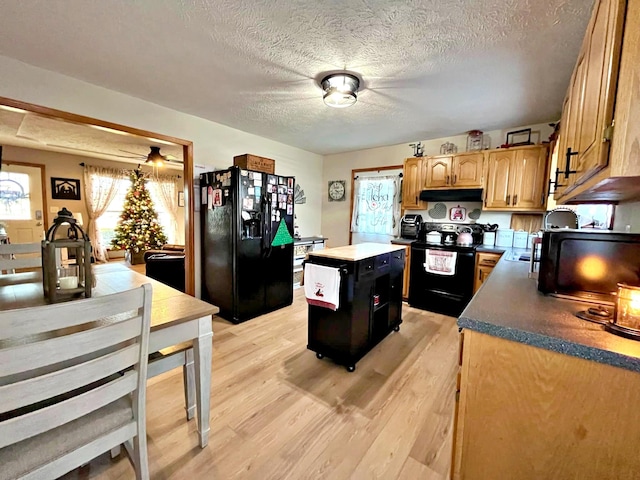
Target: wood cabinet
{"type": "Point", "coordinates": [603, 88]}
{"type": "Point", "coordinates": [454, 171]}
{"type": "Point", "coordinates": [517, 179]}
{"type": "Point", "coordinates": [485, 262]}
{"type": "Point", "coordinates": [407, 265]}
{"type": "Point", "coordinates": [412, 184]}
{"type": "Point", "coordinates": [528, 413]}
{"type": "Point", "coordinates": [370, 303]}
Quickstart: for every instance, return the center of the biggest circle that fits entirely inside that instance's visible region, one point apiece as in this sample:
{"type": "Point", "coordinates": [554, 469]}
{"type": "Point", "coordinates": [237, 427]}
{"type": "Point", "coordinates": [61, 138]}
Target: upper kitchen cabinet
{"type": "Point", "coordinates": [412, 184]}
{"type": "Point", "coordinates": [599, 132]}
{"type": "Point", "coordinates": [517, 179]}
{"type": "Point", "coordinates": [454, 171]}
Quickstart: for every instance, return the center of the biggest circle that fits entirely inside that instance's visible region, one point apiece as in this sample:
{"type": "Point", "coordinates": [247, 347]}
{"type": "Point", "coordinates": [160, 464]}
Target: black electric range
{"type": "Point", "coordinates": [443, 283]}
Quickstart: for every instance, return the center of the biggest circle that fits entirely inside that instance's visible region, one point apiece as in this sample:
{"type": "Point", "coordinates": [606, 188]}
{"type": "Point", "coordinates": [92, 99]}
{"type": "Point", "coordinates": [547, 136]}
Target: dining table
{"type": "Point", "coordinates": [175, 318]}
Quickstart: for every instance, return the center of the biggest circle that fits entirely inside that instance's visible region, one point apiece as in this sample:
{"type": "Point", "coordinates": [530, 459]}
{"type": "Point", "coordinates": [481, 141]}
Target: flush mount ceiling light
{"type": "Point", "coordinates": [340, 89]}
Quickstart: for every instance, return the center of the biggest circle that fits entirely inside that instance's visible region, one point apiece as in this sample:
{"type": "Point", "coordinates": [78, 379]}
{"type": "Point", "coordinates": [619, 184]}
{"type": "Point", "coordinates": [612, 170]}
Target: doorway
{"type": "Point", "coordinates": [187, 156]}
{"type": "Point", "coordinates": [23, 207]}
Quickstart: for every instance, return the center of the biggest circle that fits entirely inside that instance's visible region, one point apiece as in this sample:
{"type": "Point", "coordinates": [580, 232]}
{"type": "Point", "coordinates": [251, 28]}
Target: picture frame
{"type": "Point", "coordinates": [65, 188]}
{"type": "Point", "coordinates": [181, 199]}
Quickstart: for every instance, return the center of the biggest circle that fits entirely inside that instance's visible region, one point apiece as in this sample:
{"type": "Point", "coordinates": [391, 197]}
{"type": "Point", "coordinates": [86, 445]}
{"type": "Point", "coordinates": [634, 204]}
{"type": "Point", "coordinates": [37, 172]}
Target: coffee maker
{"type": "Point", "coordinates": [410, 226]}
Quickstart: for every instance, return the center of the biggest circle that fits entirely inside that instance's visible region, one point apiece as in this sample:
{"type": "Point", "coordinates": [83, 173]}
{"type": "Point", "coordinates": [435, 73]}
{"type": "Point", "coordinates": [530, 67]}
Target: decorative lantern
{"type": "Point", "coordinates": [64, 280]}
{"type": "Point", "coordinates": [626, 320]}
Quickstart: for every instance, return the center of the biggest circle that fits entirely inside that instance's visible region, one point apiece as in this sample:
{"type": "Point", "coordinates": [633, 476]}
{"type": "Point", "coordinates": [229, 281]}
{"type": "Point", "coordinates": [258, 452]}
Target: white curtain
{"type": "Point", "coordinates": [164, 189]}
{"type": "Point", "coordinates": [376, 205]}
{"type": "Point", "coordinates": [100, 188]}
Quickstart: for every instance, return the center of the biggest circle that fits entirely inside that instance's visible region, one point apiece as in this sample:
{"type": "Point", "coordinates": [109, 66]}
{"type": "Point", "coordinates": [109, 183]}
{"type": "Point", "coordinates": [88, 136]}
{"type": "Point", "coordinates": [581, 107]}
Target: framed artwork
{"type": "Point", "coordinates": [181, 199]}
{"type": "Point", "coordinates": [65, 188]}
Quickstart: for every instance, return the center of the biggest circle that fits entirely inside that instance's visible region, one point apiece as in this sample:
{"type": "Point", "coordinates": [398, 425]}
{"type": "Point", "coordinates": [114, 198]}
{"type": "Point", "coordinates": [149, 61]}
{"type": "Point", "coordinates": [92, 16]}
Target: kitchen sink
{"type": "Point", "coordinates": [518, 255]}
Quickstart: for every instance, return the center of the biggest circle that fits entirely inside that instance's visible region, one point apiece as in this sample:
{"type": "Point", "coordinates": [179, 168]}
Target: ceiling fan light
{"type": "Point", "coordinates": [340, 90]}
{"type": "Point", "coordinates": [155, 158]}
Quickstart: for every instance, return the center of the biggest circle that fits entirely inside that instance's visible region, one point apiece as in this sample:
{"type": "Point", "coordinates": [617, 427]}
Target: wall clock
{"type": "Point", "coordinates": [337, 190]}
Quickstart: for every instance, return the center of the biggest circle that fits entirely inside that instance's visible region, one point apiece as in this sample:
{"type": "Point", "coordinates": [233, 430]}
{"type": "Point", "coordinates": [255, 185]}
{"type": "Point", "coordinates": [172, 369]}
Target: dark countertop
{"type": "Point", "coordinates": [402, 241]}
{"type": "Point", "coordinates": [305, 240]}
{"type": "Point", "coordinates": [508, 305]}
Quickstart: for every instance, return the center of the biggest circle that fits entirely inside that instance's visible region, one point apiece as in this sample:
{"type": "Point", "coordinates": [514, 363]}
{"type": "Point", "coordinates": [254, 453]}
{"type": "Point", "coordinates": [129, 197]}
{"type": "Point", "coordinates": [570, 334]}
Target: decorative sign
{"type": "Point", "coordinates": [65, 188]}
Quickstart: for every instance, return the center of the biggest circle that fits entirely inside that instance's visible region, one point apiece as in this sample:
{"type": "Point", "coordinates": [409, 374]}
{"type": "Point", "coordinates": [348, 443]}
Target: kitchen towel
{"type": "Point", "coordinates": [322, 286]}
{"type": "Point", "coordinates": [440, 262]}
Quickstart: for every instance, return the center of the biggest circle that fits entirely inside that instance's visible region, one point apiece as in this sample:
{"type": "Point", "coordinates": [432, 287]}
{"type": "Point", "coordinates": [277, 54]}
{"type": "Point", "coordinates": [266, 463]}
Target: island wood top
{"type": "Point", "coordinates": [169, 306]}
{"type": "Point", "coordinates": [357, 252]}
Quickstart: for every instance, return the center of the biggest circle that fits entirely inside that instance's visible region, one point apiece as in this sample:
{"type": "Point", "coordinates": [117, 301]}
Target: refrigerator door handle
{"type": "Point", "coordinates": [266, 225]}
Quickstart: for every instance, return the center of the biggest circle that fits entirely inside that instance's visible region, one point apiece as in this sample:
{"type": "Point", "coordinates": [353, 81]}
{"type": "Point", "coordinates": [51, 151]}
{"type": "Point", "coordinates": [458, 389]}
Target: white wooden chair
{"type": "Point", "coordinates": [29, 255]}
{"type": "Point", "coordinates": [63, 401]}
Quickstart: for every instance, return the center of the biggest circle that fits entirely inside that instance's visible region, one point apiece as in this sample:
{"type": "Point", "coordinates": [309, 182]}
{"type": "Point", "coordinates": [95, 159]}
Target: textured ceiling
{"type": "Point", "coordinates": [430, 68]}
{"type": "Point", "coordinates": [30, 130]}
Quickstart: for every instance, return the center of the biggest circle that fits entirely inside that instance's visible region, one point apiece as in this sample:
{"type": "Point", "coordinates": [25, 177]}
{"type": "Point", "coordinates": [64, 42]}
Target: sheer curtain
{"type": "Point", "coordinates": [376, 206]}
{"type": "Point", "coordinates": [100, 188]}
{"type": "Point", "coordinates": [164, 189]}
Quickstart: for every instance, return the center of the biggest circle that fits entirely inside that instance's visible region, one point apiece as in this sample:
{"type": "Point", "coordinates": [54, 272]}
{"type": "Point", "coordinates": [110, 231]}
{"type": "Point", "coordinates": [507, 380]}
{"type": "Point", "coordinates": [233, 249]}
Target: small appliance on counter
{"type": "Point", "coordinates": [410, 226]}
{"type": "Point", "coordinates": [588, 264]}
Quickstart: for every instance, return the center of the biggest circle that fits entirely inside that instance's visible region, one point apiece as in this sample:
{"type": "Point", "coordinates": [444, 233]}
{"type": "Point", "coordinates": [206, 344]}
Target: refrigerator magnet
{"type": "Point", "coordinates": [247, 203]}
{"type": "Point", "coordinates": [281, 181]}
{"type": "Point", "coordinates": [251, 191]}
{"type": "Point", "coordinates": [210, 197]}
{"type": "Point", "coordinates": [290, 183]}
{"type": "Point", "coordinates": [269, 188]}
{"type": "Point", "coordinates": [217, 198]}
{"type": "Point", "coordinates": [203, 196]}
{"type": "Point", "coordinates": [272, 179]}
{"type": "Point", "coordinates": [244, 173]}
{"type": "Point", "coordinates": [290, 199]}
{"type": "Point", "coordinates": [257, 181]}
{"type": "Point", "coordinates": [258, 191]}
{"type": "Point", "coordinates": [289, 209]}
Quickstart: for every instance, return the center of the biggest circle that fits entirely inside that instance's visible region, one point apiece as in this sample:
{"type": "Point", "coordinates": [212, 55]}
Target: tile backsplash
{"type": "Point", "coordinates": [440, 212]}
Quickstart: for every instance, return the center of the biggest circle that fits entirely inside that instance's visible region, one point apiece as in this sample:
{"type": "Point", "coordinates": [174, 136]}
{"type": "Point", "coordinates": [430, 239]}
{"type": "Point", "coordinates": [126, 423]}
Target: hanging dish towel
{"type": "Point", "coordinates": [440, 262]}
{"type": "Point", "coordinates": [322, 286]}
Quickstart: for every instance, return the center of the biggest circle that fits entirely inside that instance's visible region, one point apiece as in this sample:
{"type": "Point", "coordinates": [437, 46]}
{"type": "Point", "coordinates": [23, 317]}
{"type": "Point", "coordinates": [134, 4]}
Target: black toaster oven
{"type": "Point", "coordinates": [410, 226]}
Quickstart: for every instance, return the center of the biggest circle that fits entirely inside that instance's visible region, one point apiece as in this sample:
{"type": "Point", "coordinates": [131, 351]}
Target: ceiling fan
{"type": "Point", "coordinates": [155, 158]}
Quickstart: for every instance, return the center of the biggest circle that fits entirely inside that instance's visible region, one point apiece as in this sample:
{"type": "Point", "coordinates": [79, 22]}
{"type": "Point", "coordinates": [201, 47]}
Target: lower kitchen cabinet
{"type": "Point", "coordinates": [485, 262]}
{"type": "Point", "coordinates": [407, 266]}
{"type": "Point", "coordinates": [370, 302]}
{"type": "Point", "coordinates": [529, 413]}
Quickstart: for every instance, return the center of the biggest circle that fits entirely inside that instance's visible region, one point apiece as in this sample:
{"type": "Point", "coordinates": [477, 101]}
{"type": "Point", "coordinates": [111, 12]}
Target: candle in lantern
{"type": "Point", "coordinates": [628, 306]}
{"type": "Point", "coordinates": [68, 277]}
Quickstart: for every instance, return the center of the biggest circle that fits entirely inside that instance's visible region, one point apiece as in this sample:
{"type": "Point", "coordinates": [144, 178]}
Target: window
{"type": "Point", "coordinates": [376, 205]}
{"type": "Point", "coordinates": [108, 221]}
{"type": "Point", "coordinates": [14, 196]}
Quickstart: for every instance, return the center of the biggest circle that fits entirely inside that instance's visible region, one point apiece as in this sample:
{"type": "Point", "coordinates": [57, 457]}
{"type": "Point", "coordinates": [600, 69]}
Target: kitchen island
{"type": "Point", "coordinates": [370, 301]}
{"type": "Point", "coordinates": [542, 393]}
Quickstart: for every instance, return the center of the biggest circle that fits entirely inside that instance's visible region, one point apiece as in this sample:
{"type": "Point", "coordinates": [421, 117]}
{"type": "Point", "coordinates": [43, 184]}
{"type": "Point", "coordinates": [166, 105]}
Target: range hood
{"type": "Point", "coordinates": [452, 195]}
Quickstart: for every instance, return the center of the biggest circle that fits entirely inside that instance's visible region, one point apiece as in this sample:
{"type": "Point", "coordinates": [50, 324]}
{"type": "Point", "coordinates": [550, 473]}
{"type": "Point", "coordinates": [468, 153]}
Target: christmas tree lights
{"type": "Point", "coordinates": [138, 228]}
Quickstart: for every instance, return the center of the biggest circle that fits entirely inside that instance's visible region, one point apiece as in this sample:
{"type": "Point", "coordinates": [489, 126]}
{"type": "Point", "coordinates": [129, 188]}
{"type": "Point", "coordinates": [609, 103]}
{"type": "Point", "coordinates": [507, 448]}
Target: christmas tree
{"type": "Point", "coordinates": [138, 228]}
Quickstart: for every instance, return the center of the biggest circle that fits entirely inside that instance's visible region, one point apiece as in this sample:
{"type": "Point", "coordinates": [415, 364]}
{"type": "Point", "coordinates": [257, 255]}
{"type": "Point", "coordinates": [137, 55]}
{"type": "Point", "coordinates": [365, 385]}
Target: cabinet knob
{"type": "Point", "coordinates": [455, 178]}
{"type": "Point", "coordinates": [515, 199]}
{"type": "Point", "coordinates": [509, 199]}
{"type": "Point", "coordinates": [447, 178]}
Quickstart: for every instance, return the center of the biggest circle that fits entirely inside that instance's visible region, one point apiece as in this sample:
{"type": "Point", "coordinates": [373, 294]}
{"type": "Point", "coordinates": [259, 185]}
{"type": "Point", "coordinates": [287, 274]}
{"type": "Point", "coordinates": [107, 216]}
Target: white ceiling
{"type": "Point", "coordinates": [430, 68]}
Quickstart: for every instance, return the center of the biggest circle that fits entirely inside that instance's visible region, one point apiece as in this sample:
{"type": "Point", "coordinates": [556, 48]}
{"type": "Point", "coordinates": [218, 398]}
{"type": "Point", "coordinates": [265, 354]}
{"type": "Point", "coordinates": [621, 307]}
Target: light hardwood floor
{"type": "Point", "coordinates": [277, 412]}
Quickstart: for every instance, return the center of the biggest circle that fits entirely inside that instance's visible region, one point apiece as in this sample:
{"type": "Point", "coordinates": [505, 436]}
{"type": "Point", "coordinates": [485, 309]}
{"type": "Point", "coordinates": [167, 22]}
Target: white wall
{"type": "Point", "coordinates": [335, 215]}
{"type": "Point", "coordinates": [214, 145]}
{"type": "Point", "coordinates": [627, 214]}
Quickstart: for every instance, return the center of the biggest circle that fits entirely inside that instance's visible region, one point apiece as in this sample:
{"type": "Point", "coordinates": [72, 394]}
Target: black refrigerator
{"type": "Point", "coordinates": [247, 242]}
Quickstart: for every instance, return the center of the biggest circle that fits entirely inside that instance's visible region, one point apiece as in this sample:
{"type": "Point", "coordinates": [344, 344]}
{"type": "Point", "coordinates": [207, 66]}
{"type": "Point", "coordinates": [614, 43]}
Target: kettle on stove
{"type": "Point", "coordinates": [465, 239]}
